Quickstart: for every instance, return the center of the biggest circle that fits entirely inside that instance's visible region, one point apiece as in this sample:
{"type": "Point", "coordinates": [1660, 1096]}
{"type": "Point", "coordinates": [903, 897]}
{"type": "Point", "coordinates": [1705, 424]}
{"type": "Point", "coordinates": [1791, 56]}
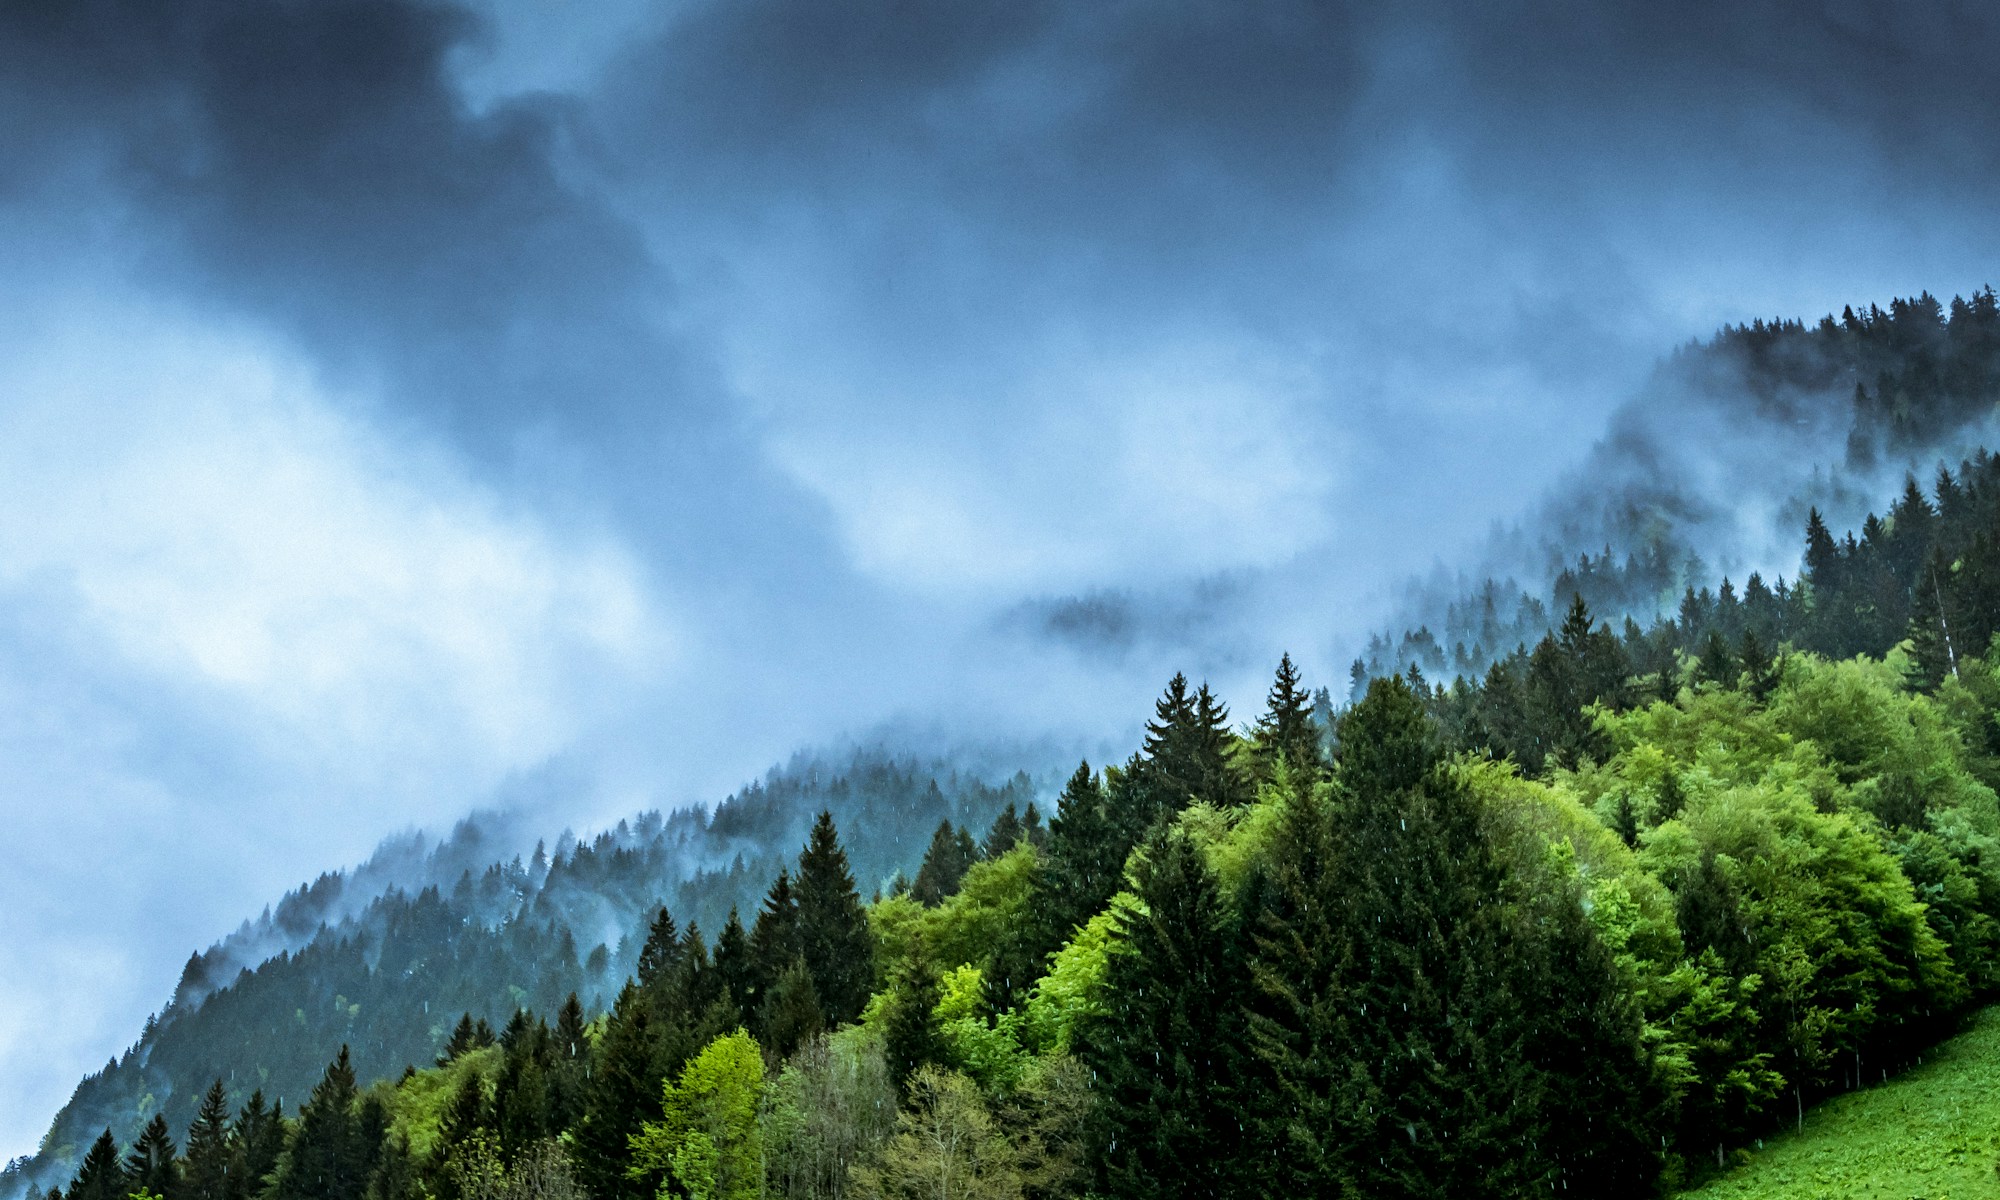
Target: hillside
{"type": "Point", "coordinates": [1933, 1131]}
{"type": "Point", "coordinates": [1604, 913]}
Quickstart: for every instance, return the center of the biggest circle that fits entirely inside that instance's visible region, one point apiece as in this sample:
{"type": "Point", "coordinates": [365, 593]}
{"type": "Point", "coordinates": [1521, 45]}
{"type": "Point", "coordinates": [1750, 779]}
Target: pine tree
{"type": "Point", "coordinates": [946, 861]}
{"type": "Point", "coordinates": [102, 1173]}
{"type": "Point", "coordinates": [1006, 831]}
{"type": "Point", "coordinates": [834, 938]}
{"type": "Point", "coordinates": [774, 941]}
{"type": "Point", "coordinates": [1086, 861]}
{"type": "Point", "coordinates": [569, 1078]}
{"type": "Point", "coordinates": [460, 1042]}
{"type": "Point", "coordinates": [1286, 733]}
{"type": "Point", "coordinates": [1717, 665]}
{"type": "Point", "coordinates": [260, 1141]}
{"type": "Point", "coordinates": [1166, 1053]}
{"type": "Point", "coordinates": [1430, 1030]}
{"type": "Point", "coordinates": [623, 1094]}
{"type": "Point", "coordinates": [910, 1034]}
{"type": "Point", "coordinates": [793, 1012]}
{"type": "Point", "coordinates": [325, 1158]}
{"type": "Point", "coordinates": [210, 1150]}
{"type": "Point", "coordinates": [153, 1164]}
{"type": "Point", "coordinates": [735, 964]}
{"type": "Point", "coordinates": [661, 951]}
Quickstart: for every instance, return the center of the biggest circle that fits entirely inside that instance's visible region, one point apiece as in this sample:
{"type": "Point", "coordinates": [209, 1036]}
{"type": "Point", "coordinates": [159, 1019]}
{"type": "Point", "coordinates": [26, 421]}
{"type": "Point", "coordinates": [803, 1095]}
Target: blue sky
{"type": "Point", "coordinates": [399, 398]}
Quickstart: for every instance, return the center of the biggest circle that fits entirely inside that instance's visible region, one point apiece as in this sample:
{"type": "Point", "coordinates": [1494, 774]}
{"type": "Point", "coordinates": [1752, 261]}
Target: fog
{"type": "Point", "coordinates": [402, 400]}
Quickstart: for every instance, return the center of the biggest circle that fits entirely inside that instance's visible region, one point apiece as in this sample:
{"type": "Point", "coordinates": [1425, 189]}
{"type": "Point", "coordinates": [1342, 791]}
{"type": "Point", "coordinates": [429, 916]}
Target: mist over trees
{"type": "Point", "coordinates": [1594, 915]}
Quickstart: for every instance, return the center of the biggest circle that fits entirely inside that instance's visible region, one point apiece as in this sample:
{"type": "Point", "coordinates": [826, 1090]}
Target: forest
{"type": "Point", "coordinates": [1586, 904]}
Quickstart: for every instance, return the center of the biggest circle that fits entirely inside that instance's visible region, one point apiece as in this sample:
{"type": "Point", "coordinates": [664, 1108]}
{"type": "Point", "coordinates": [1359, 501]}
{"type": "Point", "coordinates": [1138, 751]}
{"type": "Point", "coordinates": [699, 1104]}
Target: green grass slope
{"type": "Point", "coordinates": [1932, 1133]}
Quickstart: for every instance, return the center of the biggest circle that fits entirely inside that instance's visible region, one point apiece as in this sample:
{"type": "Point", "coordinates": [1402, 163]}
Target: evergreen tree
{"type": "Point", "coordinates": [210, 1150]}
{"type": "Point", "coordinates": [260, 1141]}
{"type": "Point", "coordinates": [1086, 862]}
{"type": "Point", "coordinates": [1286, 733]}
{"type": "Point", "coordinates": [1165, 1053]}
{"type": "Point", "coordinates": [834, 938]}
{"type": "Point", "coordinates": [569, 1077]}
{"type": "Point", "coordinates": [950, 856]}
{"type": "Point", "coordinates": [325, 1158]}
{"type": "Point", "coordinates": [736, 966]}
{"type": "Point", "coordinates": [774, 940]}
{"type": "Point", "coordinates": [661, 952]}
{"type": "Point", "coordinates": [1432, 1030]}
{"type": "Point", "coordinates": [153, 1165]}
{"type": "Point", "coordinates": [1006, 831]}
{"type": "Point", "coordinates": [623, 1094]}
{"type": "Point", "coordinates": [1717, 665]}
{"type": "Point", "coordinates": [465, 1115]}
{"type": "Point", "coordinates": [793, 1012]}
{"type": "Point", "coordinates": [101, 1176]}
{"type": "Point", "coordinates": [910, 1034]}
{"type": "Point", "coordinates": [460, 1041]}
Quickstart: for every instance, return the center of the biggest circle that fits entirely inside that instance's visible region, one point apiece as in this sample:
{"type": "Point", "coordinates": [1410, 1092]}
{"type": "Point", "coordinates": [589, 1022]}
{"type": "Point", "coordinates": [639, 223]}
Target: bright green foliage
{"type": "Point", "coordinates": [990, 1053]}
{"type": "Point", "coordinates": [1070, 993]}
{"type": "Point", "coordinates": [992, 899]}
{"type": "Point", "coordinates": [707, 1144]}
{"type": "Point", "coordinates": [947, 1146]}
{"type": "Point", "coordinates": [1932, 1132]}
{"type": "Point", "coordinates": [1813, 906]}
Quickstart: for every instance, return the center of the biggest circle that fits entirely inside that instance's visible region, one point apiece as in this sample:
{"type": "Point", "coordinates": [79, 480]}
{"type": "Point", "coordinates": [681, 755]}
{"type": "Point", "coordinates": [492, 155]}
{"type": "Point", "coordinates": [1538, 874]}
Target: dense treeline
{"type": "Point", "coordinates": [1585, 925]}
{"type": "Point", "coordinates": [384, 960]}
{"type": "Point", "coordinates": [1906, 384]}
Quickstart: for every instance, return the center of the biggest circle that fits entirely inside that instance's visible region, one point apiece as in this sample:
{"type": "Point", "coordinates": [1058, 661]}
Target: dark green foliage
{"type": "Point", "coordinates": [1432, 1025]}
{"type": "Point", "coordinates": [1286, 733]}
{"type": "Point", "coordinates": [327, 1157]}
{"type": "Point", "coordinates": [623, 1094]}
{"type": "Point", "coordinates": [910, 1036]}
{"type": "Point", "coordinates": [1186, 757]}
{"type": "Point", "coordinates": [834, 939]}
{"type": "Point", "coordinates": [154, 1163]}
{"type": "Point", "coordinates": [1166, 1053]}
{"type": "Point", "coordinates": [210, 1151]}
{"type": "Point", "coordinates": [102, 1175]}
{"type": "Point", "coordinates": [1007, 829]}
{"type": "Point", "coordinates": [260, 1141]}
{"type": "Point", "coordinates": [950, 856]}
{"type": "Point", "coordinates": [793, 1012]}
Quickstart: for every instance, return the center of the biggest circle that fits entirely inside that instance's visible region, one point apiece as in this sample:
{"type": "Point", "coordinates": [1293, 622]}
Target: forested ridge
{"type": "Point", "coordinates": [1591, 915]}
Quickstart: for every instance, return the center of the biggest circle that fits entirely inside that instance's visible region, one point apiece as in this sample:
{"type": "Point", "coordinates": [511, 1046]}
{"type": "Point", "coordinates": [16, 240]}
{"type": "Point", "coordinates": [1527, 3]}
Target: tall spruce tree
{"type": "Point", "coordinates": [623, 1094]}
{"type": "Point", "coordinates": [210, 1151]}
{"type": "Point", "coordinates": [154, 1163]}
{"type": "Point", "coordinates": [1287, 733]}
{"type": "Point", "coordinates": [834, 938]}
{"type": "Point", "coordinates": [1166, 1051]}
{"type": "Point", "coordinates": [950, 856]}
{"type": "Point", "coordinates": [1433, 1026]}
{"type": "Point", "coordinates": [326, 1158]}
{"type": "Point", "coordinates": [101, 1175]}
{"type": "Point", "coordinates": [260, 1140]}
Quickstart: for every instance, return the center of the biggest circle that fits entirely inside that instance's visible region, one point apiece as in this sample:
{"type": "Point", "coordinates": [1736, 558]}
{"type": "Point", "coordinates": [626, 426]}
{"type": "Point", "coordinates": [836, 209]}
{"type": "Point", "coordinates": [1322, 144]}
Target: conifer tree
{"type": "Point", "coordinates": [910, 1034]}
{"type": "Point", "coordinates": [793, 1011]}
{"type": "Point", "coordinates": [260, 1140]}
{"type": "Point", "coordinates": [569, 1077]}
{"type": "Point", "coordinates": [774, 940]}
{"type": "Point", "coordinates": [623, 1094]}
{"type": "Point", "coordinates": [465, 1115]}
{"type": "Point", "coordinates": [662, 950]}
{"type": "Point", "coordinates": [460, 1041]}
{"type": "Point", "coordinates": [1286, 733]}
{"type": "Point", "coordinates": [153, 1165]}
{"type": "Point", "coordinates": [325, 1158]}
{"type": "Point", "coordinates": [1086, 861]}
{"type": "Point", "coordinates": [1007, 829]}
{"type": "Point", "coordinates": [1166, 1051]}
{"type": "Point", "coordinates": [101, 1176]}
{"type": "Point", "coordinates": [1717, 665]}
{"type": "Point", "coordinates": [210, 1151]}
{"type": "Point", "coordinates": [735, 966]}
{"type": "Point", "coordinates": [1431, 1030]}
{"type": "Point", "coordinates": [950, 856]}
{"type": "Point", "coordinates": [834, 938]}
